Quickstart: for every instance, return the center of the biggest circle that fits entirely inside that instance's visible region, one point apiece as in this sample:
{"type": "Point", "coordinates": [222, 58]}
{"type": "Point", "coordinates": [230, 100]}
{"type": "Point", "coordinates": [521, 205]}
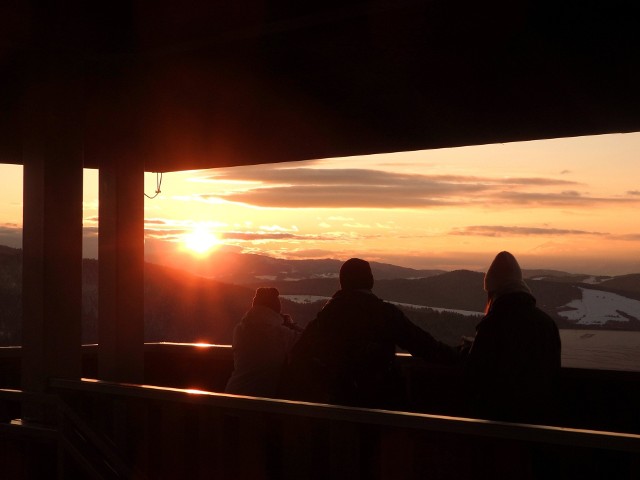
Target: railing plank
{"type": "Point", "coordinates": [583, 438]}
{"type": "Point", "coordinates": [226, 436]}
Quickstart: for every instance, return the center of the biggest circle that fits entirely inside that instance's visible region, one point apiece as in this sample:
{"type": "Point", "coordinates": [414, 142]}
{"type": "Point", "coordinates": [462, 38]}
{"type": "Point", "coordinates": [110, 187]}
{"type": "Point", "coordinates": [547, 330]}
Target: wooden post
{"type": "Point", "coordinates": [52, 231]}
{"type": "Point", "coordinates": [121, 265]}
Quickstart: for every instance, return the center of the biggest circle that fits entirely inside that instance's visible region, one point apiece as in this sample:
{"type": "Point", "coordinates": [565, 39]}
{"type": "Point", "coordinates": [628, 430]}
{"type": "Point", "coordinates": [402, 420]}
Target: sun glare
{"type": "Point", "coordinates": [201, 241]}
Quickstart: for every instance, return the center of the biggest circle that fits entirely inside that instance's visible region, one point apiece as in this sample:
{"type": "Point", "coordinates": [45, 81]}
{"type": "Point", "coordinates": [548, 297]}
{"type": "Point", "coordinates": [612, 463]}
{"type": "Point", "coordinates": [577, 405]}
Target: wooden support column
{"type": "Point", "coordinates": [52, 228]}
{"type": "Point", "coordinates": [121, 265]}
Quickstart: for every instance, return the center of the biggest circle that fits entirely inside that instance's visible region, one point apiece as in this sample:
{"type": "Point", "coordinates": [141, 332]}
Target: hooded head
{"type": "Point", "coordinates": [356, 274]}
{"type": "Point", "coordinates": [504, 276]}
{"type": "Point", "coordinates": [267, 297]}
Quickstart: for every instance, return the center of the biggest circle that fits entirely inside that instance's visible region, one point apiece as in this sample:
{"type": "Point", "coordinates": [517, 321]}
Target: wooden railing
{"type": "Point", "coordinates": [156, 431]}
{"type": "Point", "coordinates": [175, 433]}
{"type": "Point", "coordinates": [589, 399]}
{"type": "Point", "coordinates": [59, 445]}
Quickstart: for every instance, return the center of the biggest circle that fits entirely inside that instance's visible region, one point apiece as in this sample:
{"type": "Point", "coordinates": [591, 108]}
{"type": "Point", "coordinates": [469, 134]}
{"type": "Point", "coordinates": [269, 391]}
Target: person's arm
{"type": "Point", "coordinates": [288, 322]}
{"type": "Point", "coordinates": [419, 342]}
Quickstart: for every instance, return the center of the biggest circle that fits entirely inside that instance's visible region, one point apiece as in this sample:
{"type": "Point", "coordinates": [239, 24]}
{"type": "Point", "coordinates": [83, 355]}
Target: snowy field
{"type": "Point", "coordinates": [315, 298]}
{"type": "Point", "coordinates": [595, 280]}
{"type": "Point", "coordinates": [466, 313]}
{"type": "Point", "coordinates": [598, 308]}
{"type": "Point", "coordinates": [601, 349]}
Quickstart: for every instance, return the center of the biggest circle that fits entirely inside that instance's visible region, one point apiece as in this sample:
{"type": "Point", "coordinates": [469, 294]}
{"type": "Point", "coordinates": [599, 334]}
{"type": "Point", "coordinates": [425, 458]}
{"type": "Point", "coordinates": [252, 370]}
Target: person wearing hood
{"type": "Point", "coordinates": [514, 361]}
{"type": "Point", "coordinates": [261, 342]}
{"type": "Point", "coordinates": [347, 354]}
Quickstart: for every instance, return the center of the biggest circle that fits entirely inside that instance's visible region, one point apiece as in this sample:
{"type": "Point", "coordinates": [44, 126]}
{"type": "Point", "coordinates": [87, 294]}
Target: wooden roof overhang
{"type": "Point", "coordinates": [128, 86]}
{"type": "Point", "coordinates": [190, 85]}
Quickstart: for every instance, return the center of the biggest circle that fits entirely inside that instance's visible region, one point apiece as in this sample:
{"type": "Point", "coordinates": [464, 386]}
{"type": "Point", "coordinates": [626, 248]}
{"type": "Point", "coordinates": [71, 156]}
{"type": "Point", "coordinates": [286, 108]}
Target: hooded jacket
{"type": "Point", "coordinates": [514, 361]}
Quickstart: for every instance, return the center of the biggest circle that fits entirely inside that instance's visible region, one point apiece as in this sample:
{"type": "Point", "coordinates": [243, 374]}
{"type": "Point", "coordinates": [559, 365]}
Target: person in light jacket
{"type": "Point", "coordinates": [261, 343]}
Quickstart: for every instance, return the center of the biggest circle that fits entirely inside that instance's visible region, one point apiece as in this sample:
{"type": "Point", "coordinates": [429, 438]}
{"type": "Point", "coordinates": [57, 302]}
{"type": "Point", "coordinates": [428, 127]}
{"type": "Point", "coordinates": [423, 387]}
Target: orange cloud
{"type": "Point", "coordinates": [505, 231]}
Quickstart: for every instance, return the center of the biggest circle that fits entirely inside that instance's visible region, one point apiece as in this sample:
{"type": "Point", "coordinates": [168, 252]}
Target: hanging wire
{"type": "Point", "coordinates": [158, 185]}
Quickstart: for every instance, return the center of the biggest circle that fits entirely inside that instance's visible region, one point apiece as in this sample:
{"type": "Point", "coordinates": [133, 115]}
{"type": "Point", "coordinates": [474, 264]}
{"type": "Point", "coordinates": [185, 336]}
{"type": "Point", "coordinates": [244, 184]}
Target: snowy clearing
{"type": "Point", "coordinates": [595, 280]}
{"type": "Point", "coordinates": [304, 298]}
{"type": "Point", "coordinates": [316, 298]}
{"type": "Point", "coordinates": [468, 313]}
{"type": "Point", "coordinates": [598, 308]}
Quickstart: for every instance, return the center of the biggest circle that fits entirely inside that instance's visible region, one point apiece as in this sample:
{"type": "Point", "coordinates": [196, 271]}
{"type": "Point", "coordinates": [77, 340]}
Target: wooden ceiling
{"type": "Point", "coordinates": [207, 84]}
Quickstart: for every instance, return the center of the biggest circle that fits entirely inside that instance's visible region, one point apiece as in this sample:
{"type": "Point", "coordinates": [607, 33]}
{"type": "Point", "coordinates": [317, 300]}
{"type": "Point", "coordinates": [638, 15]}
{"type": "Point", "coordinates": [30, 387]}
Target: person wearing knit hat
{"type": "Point", "coordinates": [514, 361]}
{"type": "Point", "coordinates": [261, 342]}
{"type": "Point", "coordinates": [267, 297]}
{"type": "Point", "coordinates": [347, 354]}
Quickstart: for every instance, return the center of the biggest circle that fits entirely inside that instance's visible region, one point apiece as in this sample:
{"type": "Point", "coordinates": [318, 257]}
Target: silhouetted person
{"type": "Point", "coordinates": [515, 358]}
{"type": "Point", "coordinates": [347, 353]}
{"type": "Point", "coordinates": [261, 342]}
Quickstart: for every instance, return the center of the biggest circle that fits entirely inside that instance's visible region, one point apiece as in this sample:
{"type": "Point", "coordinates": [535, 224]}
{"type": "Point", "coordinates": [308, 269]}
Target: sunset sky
{"type": "Point", "coordinates": [566, 204]}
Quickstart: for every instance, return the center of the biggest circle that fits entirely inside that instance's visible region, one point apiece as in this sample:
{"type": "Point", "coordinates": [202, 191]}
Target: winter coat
{"type": "Point", "coordinates": [260, 346]}
{"type": "Point", "coordinates": [514, 361]}
{"type": "Point", "coordinates": [347, 354]}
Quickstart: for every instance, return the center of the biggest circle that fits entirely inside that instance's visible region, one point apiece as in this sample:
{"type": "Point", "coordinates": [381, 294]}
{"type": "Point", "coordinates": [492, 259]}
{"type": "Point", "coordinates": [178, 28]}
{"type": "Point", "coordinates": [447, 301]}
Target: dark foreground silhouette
{"type": "Point", "coordinates": [347, 353]}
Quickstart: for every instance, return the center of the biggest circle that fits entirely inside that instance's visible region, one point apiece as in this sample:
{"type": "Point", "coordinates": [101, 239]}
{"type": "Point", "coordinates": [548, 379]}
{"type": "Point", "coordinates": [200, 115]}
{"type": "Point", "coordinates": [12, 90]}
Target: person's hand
{"type": "Point", "coordinates": [467, 341]}
{"type": "Point", "coordinates": [288, 322]}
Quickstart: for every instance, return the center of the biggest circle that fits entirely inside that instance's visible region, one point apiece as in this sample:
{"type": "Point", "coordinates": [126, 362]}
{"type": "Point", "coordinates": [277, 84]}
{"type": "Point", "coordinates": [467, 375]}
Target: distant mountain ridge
{"type": "Point", "coordinates": [186, 307]}
{"type": "Point", "coordinates": [545, 272]}
{"type": "Point", "coordinates": [460, 289]}
{"type": "Point", "coordinates": [243, 268]}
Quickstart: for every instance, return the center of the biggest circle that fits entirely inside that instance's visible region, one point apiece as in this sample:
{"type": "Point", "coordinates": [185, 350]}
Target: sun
{"type": "Point", "coordinates": [201, 241]}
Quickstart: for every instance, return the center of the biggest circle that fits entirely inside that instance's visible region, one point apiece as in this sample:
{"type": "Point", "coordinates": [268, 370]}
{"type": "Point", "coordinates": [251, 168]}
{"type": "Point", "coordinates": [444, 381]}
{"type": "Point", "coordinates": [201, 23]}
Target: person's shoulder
{"type": "Point", "coordinates": [261, 318]}
{"type": "Point", "coordinates": [541, 313]}
{"type": "Point", "coordinates": [493, 320]}
{"type": "Point", "coordinates": [355, 297]}
{"type": "Point", "coordinates": [390, 310]}
{"type": "Point", "coordinates": [391, 307]}
{"type": "Point", "coordinates": [372, 301]}
{"type": "Point", "coordinates": [544, 317]}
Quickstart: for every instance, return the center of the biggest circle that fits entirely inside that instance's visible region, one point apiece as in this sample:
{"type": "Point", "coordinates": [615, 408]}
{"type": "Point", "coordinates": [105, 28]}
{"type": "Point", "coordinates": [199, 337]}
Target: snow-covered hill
{"type": "Point", "coordinates": [597, 307]}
